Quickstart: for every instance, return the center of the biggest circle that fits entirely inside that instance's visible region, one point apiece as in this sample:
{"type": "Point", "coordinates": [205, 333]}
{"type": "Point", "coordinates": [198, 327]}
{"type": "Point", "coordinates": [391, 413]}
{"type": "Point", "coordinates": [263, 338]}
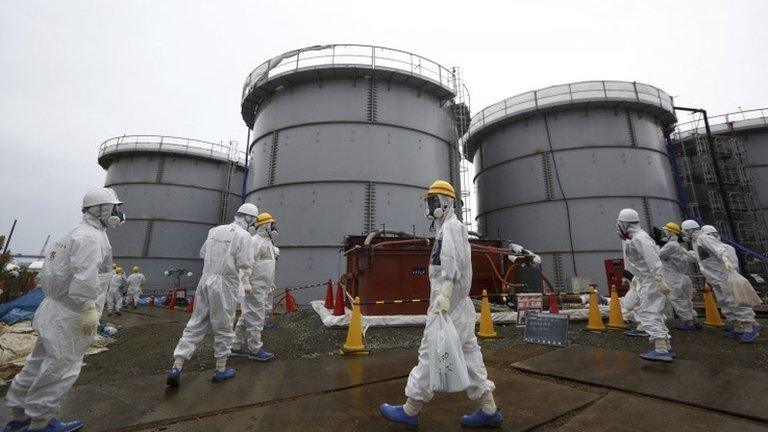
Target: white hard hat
{"type": "Point", "coordinates": [689, 225]}
{"type": "Point", "coordinates": [628, 215]}
{"type": "Point", "coordinates": [708, 229]}
{"type": "Point", "coordinates": [249, 209]}
{"type": "Point", "coordinates": [100, 196]}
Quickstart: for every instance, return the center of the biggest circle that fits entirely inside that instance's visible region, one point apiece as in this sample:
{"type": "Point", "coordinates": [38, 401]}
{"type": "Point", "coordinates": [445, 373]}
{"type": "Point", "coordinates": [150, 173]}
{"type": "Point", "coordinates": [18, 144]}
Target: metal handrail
{"type": "Point", "coordinates": [751, 117]}
{"type": "Point", "coordinates": [571, 93]}
{"type": "Point", "coordinates": [172, 144]}
{"type": "Point", "coordinates": [340, 55]}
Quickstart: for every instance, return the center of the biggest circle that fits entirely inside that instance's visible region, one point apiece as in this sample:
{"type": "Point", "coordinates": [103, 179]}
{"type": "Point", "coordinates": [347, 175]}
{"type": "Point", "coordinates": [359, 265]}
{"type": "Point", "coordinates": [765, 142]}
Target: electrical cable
{"type": "Point", "coordinates": [562, 192]}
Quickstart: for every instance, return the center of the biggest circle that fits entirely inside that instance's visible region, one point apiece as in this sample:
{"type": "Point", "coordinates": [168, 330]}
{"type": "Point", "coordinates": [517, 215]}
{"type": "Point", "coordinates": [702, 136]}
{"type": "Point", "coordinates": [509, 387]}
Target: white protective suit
{"type": "Point", "coordinates": [114, 296]}
{"type": "Point", "coordinates": [712, 254]}
{"type": "Point", "coordinates": [227, 257]}
{"type": "Point", "coordinates": [254, 305]}
{"type": "Point", "coordinates": [451, 260]}
{"type": "Point", "coordinates": [641, 258]}
{"type": "Point", "coordinates": [675, 262]}
{"type": "Point", "coordinates": [76, 270]}
{"type": "Point", "coordinates": [135, 281]}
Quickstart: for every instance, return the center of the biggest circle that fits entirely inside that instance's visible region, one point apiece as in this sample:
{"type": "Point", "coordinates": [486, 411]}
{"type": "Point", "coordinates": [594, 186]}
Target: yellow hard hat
{"type": "Point", "coordinates": [119, 269]}
{"type": "Point", "coordinates": [135, 269]}
{"type": "Point", "coordinates": [114, 266]}
{"type": "Point", "coordinates": [673, 228]}
{"type": "Point", "coordinates": [441, 187]}
{"type": "Point", "coordinates": [264, 218]}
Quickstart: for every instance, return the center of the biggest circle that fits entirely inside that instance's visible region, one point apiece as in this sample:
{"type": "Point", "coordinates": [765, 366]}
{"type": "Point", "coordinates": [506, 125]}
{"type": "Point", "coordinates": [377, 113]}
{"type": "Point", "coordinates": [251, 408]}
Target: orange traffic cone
{"type": "Point", "coordinates": [595, 322]}
{"type": "Point", "coordinates": [712, 315]}
{"type": "Point", "coordinates": [338, 305]}
{"type": "Point", "coordinates": [290, 302]}
{"type": "Point", "coordinates": [191, 305]}
{"type": "Point", "coordinates": [616, 318]}
{"type": "Point", "coordinates": [329, 295]}
{"type": "Point", "coordinates": [554, 308]}
{"type": "Point", "coordinates": [486, 331]}
{"type": "Point", "coordinates": [354, 343]}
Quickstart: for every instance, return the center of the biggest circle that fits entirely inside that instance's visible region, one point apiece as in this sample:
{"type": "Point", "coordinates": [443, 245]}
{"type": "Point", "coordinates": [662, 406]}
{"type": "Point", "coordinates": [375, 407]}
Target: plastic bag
{"type": "Point", "coordinates": [741, 291]}
{"type": "Point", "coordinates": [447, 366]}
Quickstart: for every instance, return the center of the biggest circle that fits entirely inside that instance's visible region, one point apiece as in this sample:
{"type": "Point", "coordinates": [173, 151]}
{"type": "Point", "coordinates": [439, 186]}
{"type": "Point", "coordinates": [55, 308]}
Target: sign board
{"type": "Point", "coordinates": [757, 278]}
{"type": "Point", "coordinates": [528, 304]}
{"type": "Point", "coordinates": [545, 329]}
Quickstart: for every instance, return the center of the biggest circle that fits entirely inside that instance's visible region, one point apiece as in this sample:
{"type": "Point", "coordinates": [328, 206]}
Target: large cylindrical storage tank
{"type": "Point", "coordinates": [344, 140]}
{"type": "Point", "coordinates": [174, 190]}
{"type": "Point", "coordinates": [553, 167]}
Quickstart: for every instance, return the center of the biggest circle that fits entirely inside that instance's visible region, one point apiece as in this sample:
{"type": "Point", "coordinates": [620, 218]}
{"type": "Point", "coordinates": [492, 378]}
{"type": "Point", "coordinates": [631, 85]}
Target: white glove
{"type": "Point", "coordinates": [90, 318]}
{"type": "Point", "coordinates": [516, 248]}
{"type": "Point", "coordinates": [662, 285]}
{"type": "Point", "coordinates": [728, 265]}
{"type": "Point", "coordinates": [536, 260]}
{"type": "Point", "coordinates": [443, 302]}
{"type": "Point", "coordinates": [247, 289]}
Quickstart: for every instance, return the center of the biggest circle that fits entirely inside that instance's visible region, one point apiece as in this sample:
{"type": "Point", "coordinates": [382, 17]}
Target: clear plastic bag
{"type": "Point", "coordinates": [741, 291]}
{"type": "Point", "coordinates": [447, 365]}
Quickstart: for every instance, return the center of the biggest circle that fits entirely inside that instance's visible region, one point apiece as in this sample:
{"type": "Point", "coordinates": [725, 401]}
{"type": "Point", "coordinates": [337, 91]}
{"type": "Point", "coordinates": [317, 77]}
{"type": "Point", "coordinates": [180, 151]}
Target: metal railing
{"type": "Point", "coordinates": [171, 144]}
{"type": "Point", "coordinates": [571, 93]}
{"type": "Point", "coordinates": [374, 57]}
{"type": "Point", "coordinates": [757, 117]}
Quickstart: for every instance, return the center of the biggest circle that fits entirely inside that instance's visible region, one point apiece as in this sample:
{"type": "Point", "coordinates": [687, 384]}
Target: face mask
{"type": "Point", "coordinates": [621, 231]}
{"type": "Point", "coordinates": [434, 209]}
{"type": "Point", "coordinates": [251, 230]}
{"type": "Point", "coordinates": [116, 217]}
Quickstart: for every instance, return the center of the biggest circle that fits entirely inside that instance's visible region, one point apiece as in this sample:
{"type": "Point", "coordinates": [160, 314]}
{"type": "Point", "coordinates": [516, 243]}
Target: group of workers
{"type": "Point", "coordinates": [124, 290]}
{"type": "Point", "coordinates": [78, 278]}
{"type": "Point", "coordinates": [239, 266]}
{"type": "Point", "coordinates": [659, 277]}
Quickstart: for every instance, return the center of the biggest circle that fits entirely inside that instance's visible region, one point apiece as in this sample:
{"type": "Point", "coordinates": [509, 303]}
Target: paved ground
{"type": "Point", "coordinates": [310, 387]}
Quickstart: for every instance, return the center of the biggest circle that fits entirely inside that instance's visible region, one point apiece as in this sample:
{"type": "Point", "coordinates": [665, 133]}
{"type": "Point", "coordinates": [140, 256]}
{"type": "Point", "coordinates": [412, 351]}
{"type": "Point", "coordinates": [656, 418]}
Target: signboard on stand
{"type": "Point", "coordinates": [528, 304]}
{"type": "Point", "coordinates": [545, 329]}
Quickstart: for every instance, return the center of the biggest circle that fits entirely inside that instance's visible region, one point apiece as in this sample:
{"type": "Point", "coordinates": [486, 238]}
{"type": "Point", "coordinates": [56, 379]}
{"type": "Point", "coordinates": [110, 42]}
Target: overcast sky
{"type": "Point", "coordinates": [74, 73]}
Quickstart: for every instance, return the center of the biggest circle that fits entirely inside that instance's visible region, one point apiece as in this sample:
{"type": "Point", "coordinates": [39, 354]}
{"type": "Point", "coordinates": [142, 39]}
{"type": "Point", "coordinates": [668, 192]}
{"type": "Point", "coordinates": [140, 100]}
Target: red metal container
{"type": "Point", "coordinates": [396, 268]}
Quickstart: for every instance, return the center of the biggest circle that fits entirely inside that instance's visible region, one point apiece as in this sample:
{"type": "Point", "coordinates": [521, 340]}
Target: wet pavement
{"type": "Point", "coordinates": [626, 413]}
{"type": "Point", "coordinates": [720, 388]}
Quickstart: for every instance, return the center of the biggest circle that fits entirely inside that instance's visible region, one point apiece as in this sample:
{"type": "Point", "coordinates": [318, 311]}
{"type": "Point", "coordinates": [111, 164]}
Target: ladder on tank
{"type": "Point", "coordinates": [462, 117]}
{"type": "Point", "coordinates": [231, 167]}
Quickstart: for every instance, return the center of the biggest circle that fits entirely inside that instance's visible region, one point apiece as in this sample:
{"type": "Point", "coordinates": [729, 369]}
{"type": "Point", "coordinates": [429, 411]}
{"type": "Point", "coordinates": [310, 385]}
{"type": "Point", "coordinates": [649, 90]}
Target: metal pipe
{"type": "Point", "coordinates": [682, 199]}
{"type": "Point", "coordinates": [247, 152]}
{"type": "Point", "coordinates": [10, 236]}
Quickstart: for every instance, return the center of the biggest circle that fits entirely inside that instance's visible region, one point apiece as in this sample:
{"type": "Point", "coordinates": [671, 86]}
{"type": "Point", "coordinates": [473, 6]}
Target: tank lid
{"type": "Point", "coordinates": [357, 61]}
{"type": "Point", "coordinates": [737, 121]}
{"type": "Point", "coordinates": [169, 144]}
{"type": "Point", "coordinates": [636, 95]}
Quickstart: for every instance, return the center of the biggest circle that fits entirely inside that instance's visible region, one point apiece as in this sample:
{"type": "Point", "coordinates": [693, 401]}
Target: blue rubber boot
{"type": "Point", "coordinates": [748, 337]}
{"type": "Point", "coordinates": [654, 355]}
{"type": "Point", "coordinates": [223, 376]}
{"type": "Point", "coordinates": [17, 425]}
{"type": "Point", "coordinates": [173, 377]}
{"type": "Point", "coordinates": [480, 419]}
{"type": "Point", "coordinates": [58, 426]}
{"type": "Point", "coordinates": [262, 355]}
{"type": "Point", "coordinates": [636, 333]}
{"type": "Point", "coordinates": [240, 352]}
{"type": "Point", "coordinates": [732, 333]}
{"type": "Point", "coordinates": [758, 327]}
{"type": "Point", "coordinates": [687, 326]}
{"type": "Point", "coordinates": [395, 413]}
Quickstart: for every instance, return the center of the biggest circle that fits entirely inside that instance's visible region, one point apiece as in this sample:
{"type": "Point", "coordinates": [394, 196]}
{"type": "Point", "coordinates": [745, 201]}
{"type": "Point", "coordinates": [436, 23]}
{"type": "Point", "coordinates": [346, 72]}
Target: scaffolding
{"type": "Point", "coordinates": [705, 196]}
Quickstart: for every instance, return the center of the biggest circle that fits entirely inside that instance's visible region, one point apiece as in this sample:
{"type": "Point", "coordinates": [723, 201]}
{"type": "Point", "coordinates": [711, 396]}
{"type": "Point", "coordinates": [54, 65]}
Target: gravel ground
{"type": "Point", "coordinates": [148, 349]}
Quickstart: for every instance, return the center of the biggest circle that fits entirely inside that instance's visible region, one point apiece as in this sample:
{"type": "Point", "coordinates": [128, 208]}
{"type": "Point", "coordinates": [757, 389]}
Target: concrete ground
{"type": "Point", "coordinates": [597, 384]}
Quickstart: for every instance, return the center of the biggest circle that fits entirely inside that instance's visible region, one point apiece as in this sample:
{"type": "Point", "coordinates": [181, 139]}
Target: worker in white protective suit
{"type": "Point", "coordinates": [641, 258]}
{"type": "Point", "coordinates": [74, 277]}
{"type": "Point", "coordinates": [135, 281]}
{"type": "Point", "coordinates": [254, 305]}
{"type": "Point", "coordinates": [114, 296]}
{"type": "Point", "coordinates": [675, 262]}
{"type": "Point", "coordinates": [227, 263]}
{"type": "Point", "coordinates": [716, 261]}
{"type": "Point", "coordinates": [450, 277]}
